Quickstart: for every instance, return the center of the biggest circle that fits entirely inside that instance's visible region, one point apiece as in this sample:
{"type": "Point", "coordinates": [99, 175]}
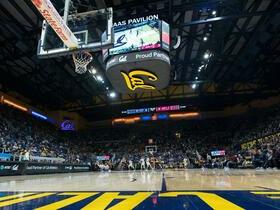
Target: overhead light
{"type": "Point", "coordinates": [205, 38]}
{"type": "Point", "coordinates": [206, 55]}
{"type": "Point", "coordinates": [93, 71]}
{"type": "Point", "coordinates": [214, 12]}
{"type": "Point", "coordinates": [15, 105]}
{"type": "Point", "coordinates": [107, 88]}
{"type": "Point", "coordinates": [112, 95]}
{"type": "Point", "coordinates": [184, 115]}
{"type": "Point", "coordinates": [200, 68]}
{"type": "Point", "coordinates": [193, 86]}
{"type": "Point", "coordinates": [99, 78]}
{"type": "Point", "coordinates": [39, 115]}
{"type": "Point", "coordinates": [196, 78]}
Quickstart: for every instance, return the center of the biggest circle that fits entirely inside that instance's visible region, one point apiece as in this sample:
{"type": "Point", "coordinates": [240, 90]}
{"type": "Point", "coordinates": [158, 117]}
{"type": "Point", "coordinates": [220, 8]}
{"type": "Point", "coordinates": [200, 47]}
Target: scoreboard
{"type": "Point", "coordinates": [139, 60]}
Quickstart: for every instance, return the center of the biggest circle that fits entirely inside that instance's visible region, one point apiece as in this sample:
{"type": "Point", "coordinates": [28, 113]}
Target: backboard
{"type": "Point", "coordinates": [92, 30]}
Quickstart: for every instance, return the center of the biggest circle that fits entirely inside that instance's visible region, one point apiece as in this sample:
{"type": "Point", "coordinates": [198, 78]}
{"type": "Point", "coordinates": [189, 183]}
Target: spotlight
{"type": "Point", "coordinates": [206, 55]}
{"type": "Point", "coordinates": [99, 78]}
{"type": "Point", "coordinates": [196, 78]}
{"type": "Point", "coordinates": [93, 70]}
{"type": "Point", "coordinates": [205, 38]}
{"type": "Point", "coordinates": [193, 86]}
{"type": "Point", "coordinates": [107, 88]}
{"type": "Point", "coordinates": [200, 68]}
{"type": "Point", "coordinates": [214, 12]}
{"type": "Point", "coordinates": [112, 94]}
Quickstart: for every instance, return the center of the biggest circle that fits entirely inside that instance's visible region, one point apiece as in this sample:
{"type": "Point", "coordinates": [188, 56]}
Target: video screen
{"type": "Point", "coordinates": [218, 153]}
{"type": "Point", "coordinates": [136, 37]}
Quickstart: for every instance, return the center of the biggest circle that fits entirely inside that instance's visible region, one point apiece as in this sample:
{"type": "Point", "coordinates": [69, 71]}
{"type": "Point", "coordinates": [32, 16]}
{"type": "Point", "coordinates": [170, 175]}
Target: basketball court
{"type": "Point", "coordinates": [169, 189]}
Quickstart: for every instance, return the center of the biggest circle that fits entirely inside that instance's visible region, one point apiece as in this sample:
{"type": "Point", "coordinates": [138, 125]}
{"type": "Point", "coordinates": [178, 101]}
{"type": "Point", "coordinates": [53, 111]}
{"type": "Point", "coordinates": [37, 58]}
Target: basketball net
{"type": "Point", "coordinates": [81, 60]}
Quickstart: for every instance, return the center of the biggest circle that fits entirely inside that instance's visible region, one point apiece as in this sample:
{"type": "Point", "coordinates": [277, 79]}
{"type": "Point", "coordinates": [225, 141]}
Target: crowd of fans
{"type": "Point", "coordinates": [26, 137]}
{"type": "Point", "coordinates": [183, 144]}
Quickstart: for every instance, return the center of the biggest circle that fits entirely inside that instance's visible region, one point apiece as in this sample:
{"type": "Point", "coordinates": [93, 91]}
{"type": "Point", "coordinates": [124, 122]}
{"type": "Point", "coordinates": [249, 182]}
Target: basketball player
{"type": "Point", "coordinates": [153, 162]}
{"type": "Point", "coordinates": [148, 164]}
{"type": "Point", "coordinates": [130, 165]}
{"type": "Point", "coordinates": [158, 162]}
{"type": "Point", "coordinates": [186, 162]}
{"type": "Point", "coordinates": [142, 162]}
{"type": "Point", "coordinates": [103, 167]}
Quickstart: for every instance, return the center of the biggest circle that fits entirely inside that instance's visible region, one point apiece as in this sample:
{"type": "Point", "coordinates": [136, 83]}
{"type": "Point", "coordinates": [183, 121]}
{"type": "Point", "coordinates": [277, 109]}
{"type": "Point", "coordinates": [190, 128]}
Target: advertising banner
{"type": "Point", "coordinates": [5, 156]}
{"type": "Point", "coordinates": [104, 157]}
{"type": "Point", "coordinates": [10, 168]}
{"type": "Point", "coordinates": [21, 168]}
{"type": "Point", "coordinates": [218, 153]}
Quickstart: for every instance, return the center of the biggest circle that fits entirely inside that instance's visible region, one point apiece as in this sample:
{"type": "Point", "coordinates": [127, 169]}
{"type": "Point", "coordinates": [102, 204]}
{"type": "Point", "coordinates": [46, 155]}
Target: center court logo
{"type": "Point", "coordinates": [136, 200]}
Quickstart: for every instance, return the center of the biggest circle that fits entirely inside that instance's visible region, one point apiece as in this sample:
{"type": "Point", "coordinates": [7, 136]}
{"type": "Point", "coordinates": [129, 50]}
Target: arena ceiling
{"type": "Point", "coordinates": [243, 38]}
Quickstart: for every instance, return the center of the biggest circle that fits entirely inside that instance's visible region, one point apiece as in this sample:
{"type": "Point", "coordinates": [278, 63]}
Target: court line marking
{"type": "Point", "coordinates": [274, 197]}
{"type": "Point", "coordinates": [264, 193]}
{"type": "Point", "coordinates": [8, 197]}
{"type": "Point", "coordinates": [266, 188]}
{"type": "Point", "coordinates": [20, 200]}
{"type": "Point", "coordinates": [163, 183]}
{"type": "Point", "coordinates": [75, 197]}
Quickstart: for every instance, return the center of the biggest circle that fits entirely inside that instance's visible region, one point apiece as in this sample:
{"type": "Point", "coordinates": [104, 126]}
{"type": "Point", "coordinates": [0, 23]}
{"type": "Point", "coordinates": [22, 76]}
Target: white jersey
{"type": "Point", "coordinates": [148, 160]}
{"type": "Point", "coordinates": [142, 161]}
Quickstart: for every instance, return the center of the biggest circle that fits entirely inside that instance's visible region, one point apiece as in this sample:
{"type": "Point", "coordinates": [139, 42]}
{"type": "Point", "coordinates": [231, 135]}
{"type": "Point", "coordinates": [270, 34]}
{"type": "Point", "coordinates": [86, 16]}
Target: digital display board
{"type": "Point", "coordinates": [154, 109]}
{"type": "Point", "coordinates": [218, 153]}
{"type": "Point", "coordinates": [165, 36]}
{"type": "Point", "coordinates": [136, 37]}
{"type": "Point", "coordinates": [104, 157]}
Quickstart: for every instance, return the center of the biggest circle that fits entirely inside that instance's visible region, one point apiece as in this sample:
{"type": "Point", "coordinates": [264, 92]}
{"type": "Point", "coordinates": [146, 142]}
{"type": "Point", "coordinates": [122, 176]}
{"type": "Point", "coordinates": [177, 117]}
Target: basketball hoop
{"type": "Point", "coordinates": [81, 60]}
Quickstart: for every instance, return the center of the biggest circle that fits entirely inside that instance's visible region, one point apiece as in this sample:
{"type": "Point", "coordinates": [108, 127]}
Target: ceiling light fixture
{"type": "Point", "coordinates": [112, 95]}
